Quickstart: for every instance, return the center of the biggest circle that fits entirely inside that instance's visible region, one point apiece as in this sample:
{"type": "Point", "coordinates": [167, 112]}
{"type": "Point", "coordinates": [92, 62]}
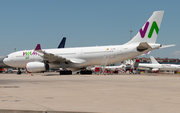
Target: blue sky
{"type": "Point", "coordinates": [25, 23]}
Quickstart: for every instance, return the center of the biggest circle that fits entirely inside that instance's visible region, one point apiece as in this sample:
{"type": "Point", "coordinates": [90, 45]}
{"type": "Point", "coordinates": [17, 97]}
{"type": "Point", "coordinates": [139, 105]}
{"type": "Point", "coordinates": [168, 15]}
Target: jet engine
{"type": "Point", "coordinates": [36, 67]}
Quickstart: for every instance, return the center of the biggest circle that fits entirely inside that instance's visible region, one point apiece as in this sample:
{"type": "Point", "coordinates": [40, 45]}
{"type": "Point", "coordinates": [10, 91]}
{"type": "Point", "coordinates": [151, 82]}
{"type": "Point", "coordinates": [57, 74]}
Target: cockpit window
{"type": "Point", "coordinates": [6, 56]}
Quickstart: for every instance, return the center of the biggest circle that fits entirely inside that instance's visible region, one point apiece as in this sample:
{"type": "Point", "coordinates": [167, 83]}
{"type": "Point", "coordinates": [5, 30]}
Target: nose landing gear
{"type": "Point", "coordinates": [19, 72]}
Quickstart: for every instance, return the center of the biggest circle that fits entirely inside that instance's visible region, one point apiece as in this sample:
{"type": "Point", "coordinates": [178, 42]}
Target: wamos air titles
{"type": "Point", "coordinates": [71, 59]}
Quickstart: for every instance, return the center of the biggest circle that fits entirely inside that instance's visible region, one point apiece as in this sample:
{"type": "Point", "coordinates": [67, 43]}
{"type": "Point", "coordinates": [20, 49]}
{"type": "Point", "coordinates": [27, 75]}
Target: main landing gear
{"type": "Point", "coordinates": [19, 72]}
{"type": "Point", "coordinates": [1, 70]}
{"type": "Point", "coordinates": [83, 72]}
{"type": "Point", "coordinates": [69, 72]}
{"type": "Point", "coordinates": [65, 72]}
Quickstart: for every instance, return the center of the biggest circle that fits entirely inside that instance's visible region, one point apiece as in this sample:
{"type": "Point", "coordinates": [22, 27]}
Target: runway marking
{"type": "Point", "coordinates": [9, 86]}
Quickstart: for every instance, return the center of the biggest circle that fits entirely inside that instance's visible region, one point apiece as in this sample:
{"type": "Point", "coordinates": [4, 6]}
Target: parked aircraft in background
{"type": "Point", "coordinates": [62, 43]}
{"type": "Point", "coordinates": [3, 65]}
{"type": "Point", "coordinates": [71, 59]}
{"type": "Point", "coordinates": [155, 66]}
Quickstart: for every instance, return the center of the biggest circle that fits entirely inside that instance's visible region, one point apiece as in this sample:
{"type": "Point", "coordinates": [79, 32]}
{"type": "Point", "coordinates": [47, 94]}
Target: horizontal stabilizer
{"type": "Point", "coordinates": [165, 46]}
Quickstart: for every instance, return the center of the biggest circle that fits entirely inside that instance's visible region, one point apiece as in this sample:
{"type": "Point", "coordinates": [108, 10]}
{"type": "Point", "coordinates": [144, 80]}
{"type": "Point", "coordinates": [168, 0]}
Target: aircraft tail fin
{"type": "Point", "coordinates": [153, 60]}
{"type": "Point", "coordinates": [148, 33]}
{"type": "Point", "coordinates": [62, 44]}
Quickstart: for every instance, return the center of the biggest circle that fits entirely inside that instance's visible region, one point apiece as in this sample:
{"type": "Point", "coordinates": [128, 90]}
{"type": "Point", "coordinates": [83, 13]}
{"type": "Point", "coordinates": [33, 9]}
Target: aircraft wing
{"type": "Point", "coordinates": [55, 58]}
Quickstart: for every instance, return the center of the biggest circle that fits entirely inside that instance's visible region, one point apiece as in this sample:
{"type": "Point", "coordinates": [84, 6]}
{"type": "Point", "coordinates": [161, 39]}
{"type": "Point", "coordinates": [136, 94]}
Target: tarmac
{"type": "Point", "coordinates": [54, 93]}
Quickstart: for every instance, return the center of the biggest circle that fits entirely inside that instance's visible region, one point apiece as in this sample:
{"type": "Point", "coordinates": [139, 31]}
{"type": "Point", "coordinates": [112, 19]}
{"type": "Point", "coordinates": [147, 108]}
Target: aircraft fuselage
{"type": "Point", "coordinates": [92, 55]}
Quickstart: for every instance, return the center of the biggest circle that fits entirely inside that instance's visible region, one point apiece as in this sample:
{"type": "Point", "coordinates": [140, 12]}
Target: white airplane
{"type": "Point", "coordinates": [155, 66]}
{"type": "Point", "coordinates": [71, 59]}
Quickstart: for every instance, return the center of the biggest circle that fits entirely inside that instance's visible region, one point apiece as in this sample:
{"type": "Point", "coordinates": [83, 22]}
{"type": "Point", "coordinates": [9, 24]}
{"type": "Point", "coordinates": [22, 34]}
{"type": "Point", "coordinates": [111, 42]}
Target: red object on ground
{"type": "Point", "coordinates": [137, 60]}
{"type": "Point", "coordinates": [156, 71]}
{"type": "Point", "coordinates": [96, 69]}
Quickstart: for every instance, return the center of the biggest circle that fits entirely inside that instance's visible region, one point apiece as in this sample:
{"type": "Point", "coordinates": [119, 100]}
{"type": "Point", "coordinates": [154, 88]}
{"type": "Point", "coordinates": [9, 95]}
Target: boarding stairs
{"type": "Point", "coordinates": [104, 63]}
{"type": "Point", "coordinates": [122, 70]}
{"type": "Point", "coordinates": [134, 66]}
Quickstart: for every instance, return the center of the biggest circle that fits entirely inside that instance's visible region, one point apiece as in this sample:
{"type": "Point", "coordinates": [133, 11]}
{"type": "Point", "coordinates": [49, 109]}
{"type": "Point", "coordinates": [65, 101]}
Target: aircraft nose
{"type": "Point", "coordinates": [2, 64]}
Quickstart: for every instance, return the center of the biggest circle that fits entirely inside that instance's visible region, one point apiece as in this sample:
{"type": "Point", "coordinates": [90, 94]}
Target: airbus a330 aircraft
{"type": "Point", "coordinates": [155, 66]}
{"type": "Point", "coordinates": [71, 59]}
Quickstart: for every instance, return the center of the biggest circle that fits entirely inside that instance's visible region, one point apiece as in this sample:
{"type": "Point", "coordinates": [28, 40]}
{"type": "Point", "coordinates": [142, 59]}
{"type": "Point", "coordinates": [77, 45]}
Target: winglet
{"type": "Point", "coordinates": [38, 47]}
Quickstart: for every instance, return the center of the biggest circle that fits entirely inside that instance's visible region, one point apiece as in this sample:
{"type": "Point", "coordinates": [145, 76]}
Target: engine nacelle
{"type": "Point", "coordinates": [36, 67]}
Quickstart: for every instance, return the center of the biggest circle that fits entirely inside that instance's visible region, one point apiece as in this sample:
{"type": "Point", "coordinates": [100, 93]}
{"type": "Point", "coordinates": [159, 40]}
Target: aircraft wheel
{"type": "Point", "coordinates": [89, 72]}
{"type": "Point", "coordinates": [19, 72]}
{"type": "Point", "coordinates": [67, 72]}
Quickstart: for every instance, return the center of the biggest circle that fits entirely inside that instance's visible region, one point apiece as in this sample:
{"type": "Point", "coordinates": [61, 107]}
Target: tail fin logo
{"type": "Point", "coordinates": [154, 26]}
{"type": "Point", "coordinates": [143, 32]}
